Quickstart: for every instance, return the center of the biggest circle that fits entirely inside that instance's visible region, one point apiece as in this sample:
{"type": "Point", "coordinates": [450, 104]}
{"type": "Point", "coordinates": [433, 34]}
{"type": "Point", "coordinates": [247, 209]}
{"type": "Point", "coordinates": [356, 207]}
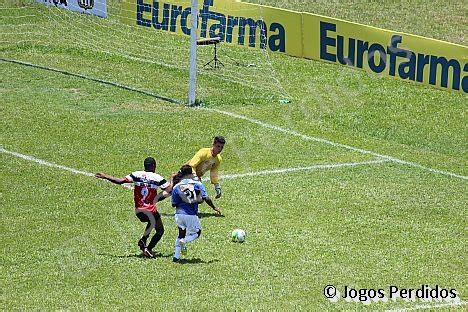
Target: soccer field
{"type": "Point", "coordinates": [359, 181]}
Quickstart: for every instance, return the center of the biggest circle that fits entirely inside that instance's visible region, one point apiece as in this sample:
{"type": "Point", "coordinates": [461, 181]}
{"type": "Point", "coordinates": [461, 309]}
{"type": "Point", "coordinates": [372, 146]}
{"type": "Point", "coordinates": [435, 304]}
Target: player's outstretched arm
{"type": "Point", "coordinates": [166, 190]}
{"type": "Point", "coordinates": [109, 178]}
{"type": "Point", "coordinates": [164, 194]}
{"type": "Point", "coordinates": [214, 178]}
{"type": "Point", "coordinates": [210, 203]}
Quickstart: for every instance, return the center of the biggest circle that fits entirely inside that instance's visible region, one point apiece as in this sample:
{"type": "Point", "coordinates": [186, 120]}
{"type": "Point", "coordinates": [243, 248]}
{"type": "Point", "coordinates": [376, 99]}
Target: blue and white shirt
{"type": "Point", "coordinates": [186, 195]}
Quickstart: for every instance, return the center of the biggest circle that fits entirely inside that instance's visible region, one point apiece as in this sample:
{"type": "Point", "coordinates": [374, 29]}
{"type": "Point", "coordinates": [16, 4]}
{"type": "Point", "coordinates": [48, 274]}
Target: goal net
{"type": "Point", "coordinates": [137, 56]}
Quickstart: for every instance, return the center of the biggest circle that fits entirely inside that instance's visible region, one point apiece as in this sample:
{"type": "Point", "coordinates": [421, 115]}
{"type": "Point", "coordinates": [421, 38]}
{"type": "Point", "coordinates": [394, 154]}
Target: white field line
{"type": "Point", "coordinates": [49, 164]}
{"type": "Point", "coordinates": [46, 163]}
{"type": "Point", "coordinates": [223, 177]}
{"type": "Point", "coordinates": [321, 140]}
{"type": "Point", "coordinates": [266, 125]}
{"type": "Point", "coordinates": [307, 168]}
{"type": "Point", "coordinates": [430, 306]}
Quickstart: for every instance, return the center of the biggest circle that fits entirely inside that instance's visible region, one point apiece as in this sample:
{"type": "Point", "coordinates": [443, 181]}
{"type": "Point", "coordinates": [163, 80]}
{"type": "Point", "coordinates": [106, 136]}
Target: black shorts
{"type": "Point", "coordinates": [143, 215]}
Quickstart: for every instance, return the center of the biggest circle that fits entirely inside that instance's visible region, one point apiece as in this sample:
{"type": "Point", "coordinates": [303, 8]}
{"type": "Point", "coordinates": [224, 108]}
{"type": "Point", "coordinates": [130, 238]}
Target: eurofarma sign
{"type": "Point", "coordinates": [402, 56]}
{"type": "Point", "coordinates": [234, 22]}
{"type": "Point", "coordinates": [95, 7]}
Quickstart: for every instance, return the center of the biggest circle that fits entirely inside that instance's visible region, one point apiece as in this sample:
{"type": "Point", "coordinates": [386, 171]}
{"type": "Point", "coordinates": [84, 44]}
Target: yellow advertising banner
{"type": "Point", "coordinates": [403, 56]}
{"type": "Point", "coordinates": [234, 22]}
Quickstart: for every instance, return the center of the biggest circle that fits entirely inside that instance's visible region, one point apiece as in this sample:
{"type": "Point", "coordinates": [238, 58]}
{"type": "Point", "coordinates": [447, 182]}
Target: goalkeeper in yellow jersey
{"type": "Point", "coordinates": [209, 159]}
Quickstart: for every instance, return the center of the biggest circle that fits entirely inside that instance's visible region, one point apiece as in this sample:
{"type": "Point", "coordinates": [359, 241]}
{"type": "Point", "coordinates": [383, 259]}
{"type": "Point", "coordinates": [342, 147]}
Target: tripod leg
{"type": "Point", "coordinates": [209, 63]}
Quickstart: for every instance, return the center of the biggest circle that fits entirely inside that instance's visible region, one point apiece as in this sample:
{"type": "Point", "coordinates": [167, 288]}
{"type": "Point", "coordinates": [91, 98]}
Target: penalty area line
{"type": "Point", "coordinates": [53, 165]}
{"type": "Point", "coordinates": [306, 168]}
{"type": "Point", "coordinates": [46, 163]}
{"type": "Point", "coordinates": [335, 144]}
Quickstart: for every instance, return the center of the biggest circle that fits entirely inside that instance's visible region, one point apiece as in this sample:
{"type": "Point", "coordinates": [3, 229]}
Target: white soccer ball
{"type": "Point", "coordinates": [238, 236]}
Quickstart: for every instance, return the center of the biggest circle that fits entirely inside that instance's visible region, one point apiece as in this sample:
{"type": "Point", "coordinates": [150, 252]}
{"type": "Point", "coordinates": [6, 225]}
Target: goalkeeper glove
{"type": "Point", "coordinates": [218, 190]}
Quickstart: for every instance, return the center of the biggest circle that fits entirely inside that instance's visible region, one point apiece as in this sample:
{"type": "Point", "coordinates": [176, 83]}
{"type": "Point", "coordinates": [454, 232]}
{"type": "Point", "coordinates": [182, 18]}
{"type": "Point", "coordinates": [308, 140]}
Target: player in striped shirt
{"type": "Point", "coordinates": [186, 195]}
{"type": "Point", "coordinates": [145, 196]}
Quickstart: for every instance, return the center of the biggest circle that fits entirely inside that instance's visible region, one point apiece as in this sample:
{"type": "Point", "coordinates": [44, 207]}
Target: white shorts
{"type": "Point", "coordinates": [188, 222]}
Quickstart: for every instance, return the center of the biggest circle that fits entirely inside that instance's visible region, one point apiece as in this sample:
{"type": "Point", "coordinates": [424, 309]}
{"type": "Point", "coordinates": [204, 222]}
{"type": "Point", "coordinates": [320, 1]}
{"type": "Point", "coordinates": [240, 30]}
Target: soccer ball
{"type": "Point", "coordinates": [238, 236]}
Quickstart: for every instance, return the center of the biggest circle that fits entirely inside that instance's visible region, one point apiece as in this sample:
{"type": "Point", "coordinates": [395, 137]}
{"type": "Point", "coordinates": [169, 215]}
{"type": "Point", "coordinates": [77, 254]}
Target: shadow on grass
{"type": "Point", "coordinates": [137, 255]}
{"type": "Point", "coordinates": [163, 214]}
{"type": "Point", "coordinates": [209, 215]}
{"type": "Point", "coordinates": [160, 255]}
{"type": "Point", "coordinates": [195, 261]}
{"type": "Point", "coordinates": [201, 215]}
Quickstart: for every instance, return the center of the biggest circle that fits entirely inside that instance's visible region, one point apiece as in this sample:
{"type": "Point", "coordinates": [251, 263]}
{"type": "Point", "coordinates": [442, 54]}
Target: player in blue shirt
{"type": "Point", "coordinates": [187, 194]}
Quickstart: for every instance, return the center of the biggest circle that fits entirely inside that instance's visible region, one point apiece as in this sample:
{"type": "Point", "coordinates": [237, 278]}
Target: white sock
{"type": "Point", "coordinates": [177, 249]}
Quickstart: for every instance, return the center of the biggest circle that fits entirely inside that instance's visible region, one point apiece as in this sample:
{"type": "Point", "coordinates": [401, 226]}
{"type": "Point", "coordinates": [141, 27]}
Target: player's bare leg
{"type": "Point", "coordinates": [159, 228]}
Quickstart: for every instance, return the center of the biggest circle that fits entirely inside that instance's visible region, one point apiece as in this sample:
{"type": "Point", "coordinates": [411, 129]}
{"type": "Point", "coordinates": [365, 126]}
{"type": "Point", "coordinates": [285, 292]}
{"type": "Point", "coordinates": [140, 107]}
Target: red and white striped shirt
{"type": "Point", "coordinates": [145, 191]}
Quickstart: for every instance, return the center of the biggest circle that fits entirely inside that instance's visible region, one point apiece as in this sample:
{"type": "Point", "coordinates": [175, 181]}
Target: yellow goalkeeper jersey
{"type": "Point", "coordinates": [204, 161]}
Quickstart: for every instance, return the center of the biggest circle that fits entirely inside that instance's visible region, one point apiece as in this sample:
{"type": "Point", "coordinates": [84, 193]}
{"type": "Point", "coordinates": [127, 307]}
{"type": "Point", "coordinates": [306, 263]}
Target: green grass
{"type": "Point", "coordinates": [439, 19]}
{"type": "Point", "coordinates": [69, 241]}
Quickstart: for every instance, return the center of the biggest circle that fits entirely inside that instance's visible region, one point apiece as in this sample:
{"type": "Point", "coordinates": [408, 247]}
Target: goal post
{"type": "Point", "coordinates": [193, 54]}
